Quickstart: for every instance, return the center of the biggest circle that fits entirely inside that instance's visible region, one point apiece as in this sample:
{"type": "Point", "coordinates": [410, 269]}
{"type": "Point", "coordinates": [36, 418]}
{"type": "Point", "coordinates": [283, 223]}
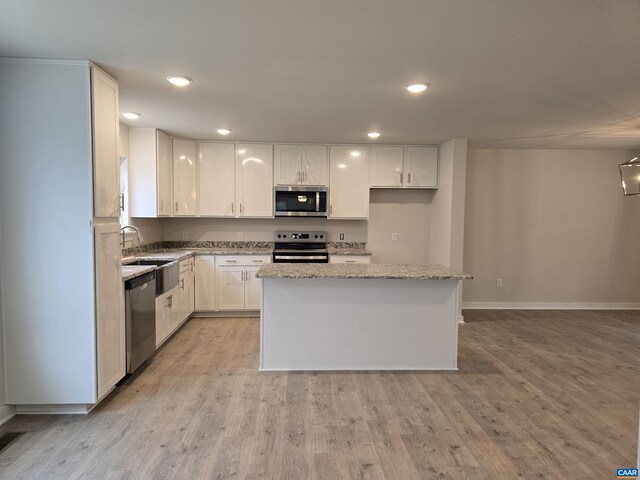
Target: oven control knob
{"type": "Point", "coordinates": [284, 236]}
{"type": "Point", "coordinates": [321, 236]}
{"type": "Point", "coordinates": [279, 236]}
{"type": "Point", "coordinates": [316, 236]}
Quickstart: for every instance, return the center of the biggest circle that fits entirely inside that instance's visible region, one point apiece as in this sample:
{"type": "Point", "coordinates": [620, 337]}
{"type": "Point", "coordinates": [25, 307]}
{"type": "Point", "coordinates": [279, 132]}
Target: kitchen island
{"type": "Point", "coordinates": [358, 317]}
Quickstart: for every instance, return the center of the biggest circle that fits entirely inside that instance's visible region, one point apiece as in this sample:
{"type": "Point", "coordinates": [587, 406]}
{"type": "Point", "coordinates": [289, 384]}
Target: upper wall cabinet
{"type": "Point", "coordinates": [408, 167]}
{"type": "Point", "coordinates": [254, 180]}
{"type": "Point", "coordinates": [151, 172]}
{"type": "Point", "coordinates": [106, 167]}
{"type": "Point", "coordinates": [216, 192]}
{"type": "Point", "coordinates": [349, 182]}
{"type": "Point", "coordinates": [184, 177]}
{"type": "Point", "coordinates": [301, 165]}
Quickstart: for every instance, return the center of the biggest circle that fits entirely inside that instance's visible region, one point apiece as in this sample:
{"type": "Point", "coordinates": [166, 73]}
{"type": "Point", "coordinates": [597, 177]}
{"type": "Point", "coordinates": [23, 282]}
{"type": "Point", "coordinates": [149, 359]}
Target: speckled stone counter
{"type": "Point", "coordinates": [347, 248]}
{"type": "Point", "coordinates": [175, 254]}
{"type": "Point", "coordinates": [133, 271]}
{"type": "Point", "coordinates": [360, 271]}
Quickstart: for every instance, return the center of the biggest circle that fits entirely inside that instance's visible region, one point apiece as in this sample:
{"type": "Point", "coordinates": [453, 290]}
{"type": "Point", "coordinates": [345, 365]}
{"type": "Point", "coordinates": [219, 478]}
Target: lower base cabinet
{"type": "Point", "coordinates": [167, 314]}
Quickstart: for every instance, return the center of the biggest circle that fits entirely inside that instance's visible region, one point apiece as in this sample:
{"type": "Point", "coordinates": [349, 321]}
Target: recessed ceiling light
{"type": "Point", "coordinates": [179, 80]}
{"type": "Point", "coordinates": [223, 131]}
{"type": "Point", "coordinates": [417, 87]}
{"type": "Point", "coordinates": [373, 134]}
{"type": "Point", "coordinates": [355, 153]}
{"type": "Point", "coordinates": [131, 115]}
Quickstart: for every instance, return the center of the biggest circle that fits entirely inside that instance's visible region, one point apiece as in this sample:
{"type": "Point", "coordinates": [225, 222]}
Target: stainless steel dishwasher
{"type": "Point", "coordinates": [140, 306]}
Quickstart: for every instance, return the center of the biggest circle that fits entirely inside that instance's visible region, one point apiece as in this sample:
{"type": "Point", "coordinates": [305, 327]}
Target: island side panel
{"type": "Point", "coordinates": [358, 324]}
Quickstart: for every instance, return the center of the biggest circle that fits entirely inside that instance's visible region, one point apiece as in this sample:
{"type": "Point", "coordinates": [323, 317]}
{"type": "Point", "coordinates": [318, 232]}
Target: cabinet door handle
{"type": "Point", "coordinates": [409, 178]}
{"type": "Point", "coordinates": [242, 276]}
{"type": "Point", "coordinates": [258, 261]}
{"type": "Point", "coordinates": [161, 206]}
{"type": "Point", "coordinates": [122, 202]}
{"type": "Point", "coordinates": [349, 261]}
{"type": "Point", "coordinates": [401, 178]}
{"type": "Point", "coordinates": [176, 206]}
{"type": "Point", "coordinates": [240, 208]}
{"type": "Point", "coordinates": [233, 210]}
{"type": "Point", "coordinates": [231, 261]}
{"type": "Point", "coordinates": [182, 284]}
{"type": "Point", "coordinates": [330, 209]}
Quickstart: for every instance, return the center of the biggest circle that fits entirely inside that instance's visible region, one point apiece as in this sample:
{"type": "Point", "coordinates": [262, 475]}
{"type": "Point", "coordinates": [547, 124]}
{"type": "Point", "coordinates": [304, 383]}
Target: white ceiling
{"type": "Point", "coordinates": [504, 73]}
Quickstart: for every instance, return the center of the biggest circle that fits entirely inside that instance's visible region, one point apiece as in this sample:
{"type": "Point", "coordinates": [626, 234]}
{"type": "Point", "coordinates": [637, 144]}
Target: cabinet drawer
{"type": "Point", "coordinates": [186, 265]}
{"type": "Point", "coordinates": [349, 259]}
{"type": "Point", "coordinates": [255, 260]}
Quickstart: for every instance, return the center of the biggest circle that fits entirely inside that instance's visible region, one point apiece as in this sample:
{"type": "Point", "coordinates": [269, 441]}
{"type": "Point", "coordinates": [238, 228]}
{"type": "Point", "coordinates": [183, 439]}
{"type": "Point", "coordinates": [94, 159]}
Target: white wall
{"type": "Point", "coordinates": [226, 229]}
{"type": "Point", "coordinates": [405, 212]}
{"type": "Point", "coordinates": [554, 225]}
{"type": "Point", "coordinates": [6, 411]}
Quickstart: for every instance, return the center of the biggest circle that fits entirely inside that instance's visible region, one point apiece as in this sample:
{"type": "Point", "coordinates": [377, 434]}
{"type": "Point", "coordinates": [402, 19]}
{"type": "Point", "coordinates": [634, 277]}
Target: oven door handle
{"type": "Point", "coordinates": [300, 257]}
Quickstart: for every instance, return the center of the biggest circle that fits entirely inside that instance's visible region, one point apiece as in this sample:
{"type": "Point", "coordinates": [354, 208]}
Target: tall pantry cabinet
{"type": "Point", "coordinates": [61, 286]}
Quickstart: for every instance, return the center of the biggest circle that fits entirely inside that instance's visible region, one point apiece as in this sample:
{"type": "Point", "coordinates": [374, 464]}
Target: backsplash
{"type": "Point", "coordinates": [346, 245]}
{"type": "Point", "coordinates": [128, 252]}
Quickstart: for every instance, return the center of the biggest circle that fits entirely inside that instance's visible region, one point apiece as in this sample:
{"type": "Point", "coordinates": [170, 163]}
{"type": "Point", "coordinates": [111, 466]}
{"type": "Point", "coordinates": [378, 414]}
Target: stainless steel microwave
{"type": "Point", "coordinates": [299, 201]}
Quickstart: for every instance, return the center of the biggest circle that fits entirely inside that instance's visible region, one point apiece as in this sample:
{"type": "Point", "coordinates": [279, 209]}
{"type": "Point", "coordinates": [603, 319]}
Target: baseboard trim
{"type": "Point", "coordinates": [460, 319]}
{"type": "Point", "coordinates": [55, 409]}
{"type": "Point", "coordinates": [228, 313]}
{"type": "Point", "coordinates": [548, 306]}
{"type": "Point", "coordinates": [7, 412]}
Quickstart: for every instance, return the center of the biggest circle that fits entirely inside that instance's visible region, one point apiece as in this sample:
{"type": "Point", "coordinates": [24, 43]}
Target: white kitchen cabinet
{"type": "Point", "coordinates": [237, 286]}
{"type": "Point", "coordinates": [216, 192]}
{"type": "Point", "coordinates": [167, 314]}
{"type": "Point", "coordinates": [421, 167]}
{"type": "Point", "coordinates": [151, 173]}
{"type": "Point", "coordinates": [105, 127]}
{"type": "Point", "coordinates": [205, 283]}
{"type": "Point", "coordinates": [186, 286]}
{"type": "Point", "coordinates": [301, 165]}
{"type": "Point", "coordinates": [349, 182]}
{"type": "Point", "coordinates": [62, 314]}
{"type": "Point", "coordinates": [387, 166]}
{"type": "Point", "coordinates": [184, 177]}
{"type": "Point", "coordinates": [349, 259]}
{"type": "Point", "coordinates": [254, 180]}
{"type": "Point", "coordinates": [110, 325]}
{"type": "Point", "coordinates": [408, 167]}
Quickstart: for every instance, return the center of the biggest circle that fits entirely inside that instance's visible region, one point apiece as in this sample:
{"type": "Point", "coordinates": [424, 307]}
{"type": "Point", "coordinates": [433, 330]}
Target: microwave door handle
{"type": "Point", "coordinates": [317, 201]}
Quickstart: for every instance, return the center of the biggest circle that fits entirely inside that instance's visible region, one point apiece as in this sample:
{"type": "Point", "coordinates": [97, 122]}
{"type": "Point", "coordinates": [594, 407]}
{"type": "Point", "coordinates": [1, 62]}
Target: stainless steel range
{"type": "Point", "coordinates": [300, 247]}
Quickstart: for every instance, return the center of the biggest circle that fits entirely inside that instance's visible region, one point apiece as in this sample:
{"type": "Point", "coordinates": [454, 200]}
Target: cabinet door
{"type": "Point", "coordinates": [421, 167]}
{"type": "Point", "coordinates": [164, 174]}
{"type": "Point", "coordinates": [110, 327]}
{"type": "Point", "coordinates": [287, 165]}
{"type": "Point", "coordinates": [173, 311]}
{"type": "Point", "coordinates": [314, 164]}
{"type": "Point", "coordinates": [217, 179]}
{"type": "Point", "coordinates": [252, 289]}
{"type": "Point", "coordinates": [184, 177]}
{"type": "Point", "coordinates": [183, 285]}
{"type": "Point", "coordinates": [106, 161]}
{"type": "Point", "coordinates": [192, 289]}
{"type": "Point", "coordinates": [349, 182]}
{"type": "Point", "coordinates": [162, 306]}
{"type": "Point", "coordinates": [230, 284]}
{"type": "Point", "coordinates": [205, 282]}
{"type": "Point", "coordinates": [386, 167]}
{"type": "Point", "coordinates": [254, 177]}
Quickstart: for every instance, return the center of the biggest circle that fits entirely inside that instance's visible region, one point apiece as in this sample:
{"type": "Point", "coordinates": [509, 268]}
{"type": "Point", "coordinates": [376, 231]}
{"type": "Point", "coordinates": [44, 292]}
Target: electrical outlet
{"type": "Point", "coordinates": [342, 236]}
{"type": "Point", "coordinates": [185, 235]}
{"type": "Point", "coordinates": [498, 282]}
{"type": "Point", "coordinates": [394, 236]}
{"type": "Point", "coordinates": [240, 235]}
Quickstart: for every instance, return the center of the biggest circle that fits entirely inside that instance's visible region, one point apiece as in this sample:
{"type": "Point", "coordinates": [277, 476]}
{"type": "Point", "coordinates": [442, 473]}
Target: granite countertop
{"type": "Point", "coordinates": [232, 251]}
{"type": "Point", "coordinates": [368, 271]}
{"type": "Point", "coordinates": [133, 271]}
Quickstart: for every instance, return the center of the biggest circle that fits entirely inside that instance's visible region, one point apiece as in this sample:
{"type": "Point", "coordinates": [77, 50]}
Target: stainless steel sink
{"type": "Point", "coordinates": [167, 273]}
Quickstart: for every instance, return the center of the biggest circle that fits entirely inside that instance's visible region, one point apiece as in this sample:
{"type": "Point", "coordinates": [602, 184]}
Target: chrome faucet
{"type": "Point", "coordinates": [122, 232]}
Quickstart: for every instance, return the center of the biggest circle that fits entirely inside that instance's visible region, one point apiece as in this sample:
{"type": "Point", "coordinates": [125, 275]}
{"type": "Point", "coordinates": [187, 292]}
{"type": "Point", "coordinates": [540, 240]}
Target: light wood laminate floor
{"type": "Point", "coordinates": [539, 394]}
